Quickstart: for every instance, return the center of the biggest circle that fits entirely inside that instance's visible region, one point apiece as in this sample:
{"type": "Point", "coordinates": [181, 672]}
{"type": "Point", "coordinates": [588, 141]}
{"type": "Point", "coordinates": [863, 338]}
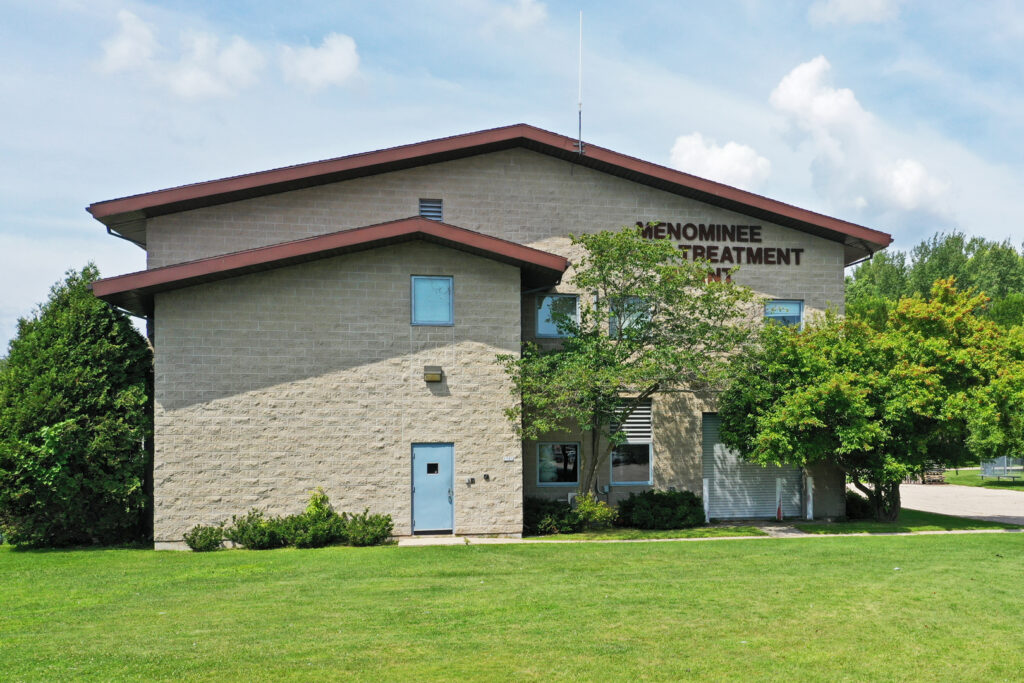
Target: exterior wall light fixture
{"type": "Point", "coordinates": [433, 373]}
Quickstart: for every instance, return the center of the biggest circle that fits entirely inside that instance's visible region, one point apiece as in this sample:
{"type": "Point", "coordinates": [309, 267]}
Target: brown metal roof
{"type": "Point", "coordinates": [126, 215]}
{"type": "Point", "coordinates": [134, 291]}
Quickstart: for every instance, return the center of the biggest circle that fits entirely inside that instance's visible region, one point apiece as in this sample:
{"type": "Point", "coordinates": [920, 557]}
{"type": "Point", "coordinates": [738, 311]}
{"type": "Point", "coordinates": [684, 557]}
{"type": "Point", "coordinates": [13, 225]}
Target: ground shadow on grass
{"type": "Point", "coordinates": [909, 521]}
{"type": "Point", "coordinates": [76, 548]}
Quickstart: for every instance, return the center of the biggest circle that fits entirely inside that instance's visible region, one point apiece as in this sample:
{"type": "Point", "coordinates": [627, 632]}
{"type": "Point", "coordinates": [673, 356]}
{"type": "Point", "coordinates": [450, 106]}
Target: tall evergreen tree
{"type": "Point", "coordinates": [74, 417]}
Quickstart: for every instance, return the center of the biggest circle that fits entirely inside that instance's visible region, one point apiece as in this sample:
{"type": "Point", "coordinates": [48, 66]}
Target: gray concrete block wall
{"type": "Point", "coordinates": [271, 384]}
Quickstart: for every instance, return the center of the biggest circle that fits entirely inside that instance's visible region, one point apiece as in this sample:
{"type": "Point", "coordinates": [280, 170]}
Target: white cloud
{"type": "Point", "coordinates": [203, 68]}
{"type": "Point", "coordinates": [522, 14]}
{"type": "Point", "coordinates": [853, 11]}
{"type": "Point", "coordinates": [857, 162]}
{"type": "Point", "coordinates": [732, 163]}
{"type": "Point", "coordinates": [333, 63]}
{"type": "Point", "coordinates": [132, 47]}
{"type": "Point", "coordinates": [908, 185]}
{"type": "Point", "coordinates": [208, 70]}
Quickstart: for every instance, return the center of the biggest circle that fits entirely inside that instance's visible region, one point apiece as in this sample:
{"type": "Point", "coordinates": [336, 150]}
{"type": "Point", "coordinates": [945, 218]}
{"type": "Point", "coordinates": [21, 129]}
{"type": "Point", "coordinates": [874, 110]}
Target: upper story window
{"type": "Point", "coordinates": [784, 312]}
{"type": "Point", "coordinates": [432, 300]}
{"type": "Point", "coordinates": [432, 209]}
{"type": "Point", "coordinates": [625, 313]}
{"type": "Point", "coordinates": [552, 306]}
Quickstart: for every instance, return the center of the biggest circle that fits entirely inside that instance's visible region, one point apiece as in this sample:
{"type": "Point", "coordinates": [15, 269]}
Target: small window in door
{"type": "Point", "coordinates": [432, 468]}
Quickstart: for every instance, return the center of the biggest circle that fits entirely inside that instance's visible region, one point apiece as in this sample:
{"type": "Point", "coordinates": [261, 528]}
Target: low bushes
{"type": "Point", "coordinates": [662, 510]}
{"type": "Point", "coordinates": [646, 510]}
{"type": "Point", "coordinates": [592, 514]}
{"type": "Point", "coordinates": [255, 531]}
{"type": "Point", "coordinates": [366, 529]}
{"type": "Point", "coordinates": [542, 516]}
{"type": "Point", "coordinates": [318, 526]}
{"type": "Point", "coordinates": [205, 538]}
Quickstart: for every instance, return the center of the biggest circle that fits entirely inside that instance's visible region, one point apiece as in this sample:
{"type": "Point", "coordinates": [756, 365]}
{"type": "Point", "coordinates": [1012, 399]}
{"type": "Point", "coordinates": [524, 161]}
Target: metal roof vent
{"type": "Point", "coordinates": [431, 208]}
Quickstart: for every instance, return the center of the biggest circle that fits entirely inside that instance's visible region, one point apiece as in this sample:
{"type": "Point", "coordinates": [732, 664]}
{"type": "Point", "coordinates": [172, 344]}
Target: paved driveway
{"type": "Point", "coordinates": [965, 501]}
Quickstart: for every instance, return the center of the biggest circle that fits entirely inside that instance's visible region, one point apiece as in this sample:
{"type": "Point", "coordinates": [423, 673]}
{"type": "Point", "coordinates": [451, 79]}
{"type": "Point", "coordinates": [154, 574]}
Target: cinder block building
{"type": "Point", "coordinates": [336, 324]}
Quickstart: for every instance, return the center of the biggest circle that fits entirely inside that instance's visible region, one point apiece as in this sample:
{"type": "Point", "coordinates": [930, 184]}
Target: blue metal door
{"type": "Point", "coordinates": [433, 479]}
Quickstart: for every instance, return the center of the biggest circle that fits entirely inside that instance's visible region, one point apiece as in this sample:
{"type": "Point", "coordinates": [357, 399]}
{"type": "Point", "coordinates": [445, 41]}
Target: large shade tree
{"type": "Point", "coordinates": [994, 268]}
{"type": "Point", "coordinates": [937, 383]}
{"type": "Point", "coordinates": [649, 321]}
{"type": "Point", "coordinates": [73, 422]}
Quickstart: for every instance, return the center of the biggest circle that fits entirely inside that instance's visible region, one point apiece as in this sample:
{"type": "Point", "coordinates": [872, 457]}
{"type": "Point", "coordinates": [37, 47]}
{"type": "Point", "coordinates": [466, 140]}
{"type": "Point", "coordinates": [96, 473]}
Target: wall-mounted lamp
{"type": "Point", "coordinates": [432, 373]}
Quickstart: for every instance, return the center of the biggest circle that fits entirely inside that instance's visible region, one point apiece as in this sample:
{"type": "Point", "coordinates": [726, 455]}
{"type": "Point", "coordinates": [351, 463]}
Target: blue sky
{"type": "Point", "coordinates": [902, 116]}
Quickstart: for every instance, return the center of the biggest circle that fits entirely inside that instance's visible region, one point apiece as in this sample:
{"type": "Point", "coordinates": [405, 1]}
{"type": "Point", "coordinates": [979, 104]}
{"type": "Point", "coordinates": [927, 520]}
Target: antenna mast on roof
{"type": "Point", "coordinates": [579, 99]}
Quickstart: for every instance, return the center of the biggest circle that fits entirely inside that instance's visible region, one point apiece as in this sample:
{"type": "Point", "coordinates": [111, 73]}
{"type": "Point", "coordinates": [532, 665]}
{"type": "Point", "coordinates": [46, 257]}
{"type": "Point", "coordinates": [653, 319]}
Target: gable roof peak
{"type": "Point", "coordinates": [126, 216]}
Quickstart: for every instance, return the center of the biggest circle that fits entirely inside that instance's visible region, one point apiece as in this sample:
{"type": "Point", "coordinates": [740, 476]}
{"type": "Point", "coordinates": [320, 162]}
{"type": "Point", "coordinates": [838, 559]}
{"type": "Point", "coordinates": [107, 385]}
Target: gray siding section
{"type": "Point", "coordinates": [743, 490]}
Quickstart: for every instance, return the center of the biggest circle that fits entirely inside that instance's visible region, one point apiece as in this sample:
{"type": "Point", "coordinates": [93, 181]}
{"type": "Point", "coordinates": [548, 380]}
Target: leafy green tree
{"type": "Point", "coordinates": [936, 384]}
{"type": "Point", "coordinates": [875, 285]}
{"type": "Point", "coordinates": [885, 275]}
{"type": "Point", "coordinates": [995, 268]}
{"type": "Point", "coordinates": [74, 418]}
{"type": "Point", "coordinates": [940, 256]}
{"type": "Point", "coordinates": [651, 322]}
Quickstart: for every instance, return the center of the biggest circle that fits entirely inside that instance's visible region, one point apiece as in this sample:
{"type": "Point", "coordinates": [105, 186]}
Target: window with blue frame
{"type": "Point", "coordinates": [789, 313]}
{"type": "Point", "coordinates": [432, 300]}
{"type": "Point", "coordinates": [631, 464]}
{"type": "Point", "coordinates": [553, 307]}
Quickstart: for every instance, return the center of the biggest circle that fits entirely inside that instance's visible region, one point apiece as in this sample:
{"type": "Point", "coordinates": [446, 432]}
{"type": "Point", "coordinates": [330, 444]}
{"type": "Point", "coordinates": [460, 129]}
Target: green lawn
{"type": "Point", "coordinates": [634, 534]}
{"type": "Point", "coordinates": [855, 608]}
{"type": "Point", "coordinates": [973, 478]}
{"type": "Point", "coordinates": [909, 521]}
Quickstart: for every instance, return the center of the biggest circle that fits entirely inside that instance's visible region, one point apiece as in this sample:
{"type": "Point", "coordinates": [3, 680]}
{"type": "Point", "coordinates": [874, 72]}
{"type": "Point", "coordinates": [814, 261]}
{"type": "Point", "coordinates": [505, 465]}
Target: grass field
{"type": "Point", "coordinates": [973, 478]}
{"type": "Point", "coordinates": [882, 608]}
{"type": "Point", "coordinates": [615, 534]}
{"type": "Point", "coordinates": [909, 521]}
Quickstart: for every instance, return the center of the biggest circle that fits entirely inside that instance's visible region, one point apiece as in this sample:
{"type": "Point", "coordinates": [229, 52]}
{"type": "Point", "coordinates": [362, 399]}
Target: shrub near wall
{"type": "Point", "coordinates": [203, 539]}
{"type": "Point", "coordinates": [542, 516]}
{"type": "Point", "coordinates": [318, 526]}
{"type": "Point", "coordinates": [662, 510]}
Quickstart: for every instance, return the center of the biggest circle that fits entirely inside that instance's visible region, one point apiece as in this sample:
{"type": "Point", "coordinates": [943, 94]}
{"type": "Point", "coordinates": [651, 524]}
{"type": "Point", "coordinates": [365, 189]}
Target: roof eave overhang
{"type": "Point", "coordinates": [127, 216]}
{"type": "Point", "coordinates": [135, 292]}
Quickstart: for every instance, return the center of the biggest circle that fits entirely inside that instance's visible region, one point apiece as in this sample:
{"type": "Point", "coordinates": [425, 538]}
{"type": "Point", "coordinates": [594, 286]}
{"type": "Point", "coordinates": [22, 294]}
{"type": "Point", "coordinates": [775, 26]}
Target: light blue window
{"type": "Point", "coordinates": [432, 301]}
{"type": "Point", "coordinates": [785, 312]}
{"type": "Point", "coordinates": [630, 310]}
{"type": "Point", "coordinates": [552, 307]}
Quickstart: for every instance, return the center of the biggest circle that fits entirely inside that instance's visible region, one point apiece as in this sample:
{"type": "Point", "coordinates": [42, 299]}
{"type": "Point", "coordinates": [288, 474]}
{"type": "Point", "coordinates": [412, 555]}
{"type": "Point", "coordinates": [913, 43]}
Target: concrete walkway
{"type": "Point", "coordinates": [773, 532]}
{"type": "Point", "coordinates": [975, 502]}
